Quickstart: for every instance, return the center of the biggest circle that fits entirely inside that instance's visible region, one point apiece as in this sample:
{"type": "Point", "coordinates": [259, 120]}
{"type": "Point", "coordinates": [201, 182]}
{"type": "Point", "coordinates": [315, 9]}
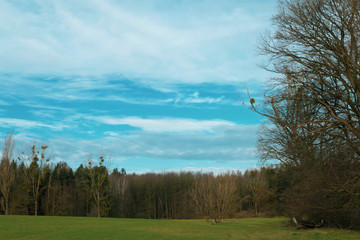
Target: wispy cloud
{"type": "Point", "coordinates": [163, 124]}
{"type": "Point", "coordinates": [22, 123]}
{"type": "Point", "coordinates": [196, 99]}
{"type": "Point", "coordinates": [227, 145]}
{"type": "Point", "coordinates": [181, 41]}
{"type": "Point", "coordinates": [113, 88]}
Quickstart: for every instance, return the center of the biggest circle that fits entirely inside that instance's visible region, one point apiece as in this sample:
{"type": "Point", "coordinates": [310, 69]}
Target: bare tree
{"type": "Point", "coordinates": [258, 192]}
{"type": "Point", "coordinates": [316, 46]}
{"type": "Point", "coordinates": [214, 197]}
{"type": "Point", "coordinates": [7, 171]}
{"type": "Point", "coordinates": [119, 183]}
{"type": "Point", "coordinates": [314, 109]}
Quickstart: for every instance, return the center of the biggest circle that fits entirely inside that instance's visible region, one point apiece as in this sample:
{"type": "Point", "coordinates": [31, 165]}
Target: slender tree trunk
{"type": "Point", "coordinates": [36, 195]}
{"type": "Point", "coordinates": [53, 203]}
{"type": "Point", "coordinates": [48, 203]}
{"type": "Point", "coordinates": [7, 206]}
{"type": "Point", "coordinates": [256, 210]}
{"type": "Point", "coordinates": [48, 194]}
{"type": "Point", "coordinates": [36, 207]}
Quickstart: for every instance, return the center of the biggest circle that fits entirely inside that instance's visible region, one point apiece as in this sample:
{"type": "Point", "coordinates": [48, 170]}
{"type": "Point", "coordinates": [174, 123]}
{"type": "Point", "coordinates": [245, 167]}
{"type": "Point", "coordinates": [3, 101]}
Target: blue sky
{"type": "Point", "coordinates": [154, 85]}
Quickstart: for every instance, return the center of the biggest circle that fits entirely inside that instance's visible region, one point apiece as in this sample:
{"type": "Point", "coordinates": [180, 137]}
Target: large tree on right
{"type": "Point", "coordinates": [315, 44]}
{"type": "Point", "coordinates": [314, 107]}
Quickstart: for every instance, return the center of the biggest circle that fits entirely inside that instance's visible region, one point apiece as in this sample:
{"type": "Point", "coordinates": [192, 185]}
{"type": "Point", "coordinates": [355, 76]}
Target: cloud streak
{"type": "Point", "coordinates": [233, 144]}
{"type": "Point", "coordinates": [227, 144]}
{"type": "Point", "coordinates": [27, 124]}
{"type": "Point", "coordinates": [164, 124]}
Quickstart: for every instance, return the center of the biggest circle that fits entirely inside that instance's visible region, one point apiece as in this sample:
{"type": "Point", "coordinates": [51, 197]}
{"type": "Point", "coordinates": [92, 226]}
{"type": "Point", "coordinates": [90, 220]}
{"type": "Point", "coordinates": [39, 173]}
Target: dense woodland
{"type": "Point", "coordinates": [37, 187]}
{"type": "Point", "coordinates": [312, 134]}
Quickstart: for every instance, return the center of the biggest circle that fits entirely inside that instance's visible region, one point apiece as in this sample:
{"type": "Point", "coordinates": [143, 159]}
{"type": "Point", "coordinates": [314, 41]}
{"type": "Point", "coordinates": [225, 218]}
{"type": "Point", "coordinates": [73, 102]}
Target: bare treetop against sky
{"type": "Point", "coordinates": [155, 85]}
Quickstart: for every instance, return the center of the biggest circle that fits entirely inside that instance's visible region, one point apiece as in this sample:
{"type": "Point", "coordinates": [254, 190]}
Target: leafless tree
{"type": "Point", "coordinates": [119, 185]}
{"type": "Point", "coordinates": [315, 46]}
{"type": "Point", "coordinates": [7, 171]}
{"type": "Point", "coordinates": [291, 134]}
{"type": "Point", "coordinates": [258, 192]}
{"type": "Point", "coordinates": [314, 108]}
{"type": "Point", "coordinates": [214, 197]}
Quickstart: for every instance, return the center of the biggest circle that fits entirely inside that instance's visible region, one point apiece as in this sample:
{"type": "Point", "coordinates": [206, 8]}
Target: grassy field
{"type": "Point", "coordinates": [29, 227]}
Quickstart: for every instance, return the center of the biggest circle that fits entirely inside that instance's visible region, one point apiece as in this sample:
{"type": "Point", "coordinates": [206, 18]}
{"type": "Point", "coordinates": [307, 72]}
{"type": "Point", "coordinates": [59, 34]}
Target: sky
{"type": "Point", "coordinates": [153, 85]}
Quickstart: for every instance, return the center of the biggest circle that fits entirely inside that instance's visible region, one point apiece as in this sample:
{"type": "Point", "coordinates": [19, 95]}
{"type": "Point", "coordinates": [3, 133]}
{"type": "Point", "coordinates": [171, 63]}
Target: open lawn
{"type": "Point", "coordinates": [41, 227]}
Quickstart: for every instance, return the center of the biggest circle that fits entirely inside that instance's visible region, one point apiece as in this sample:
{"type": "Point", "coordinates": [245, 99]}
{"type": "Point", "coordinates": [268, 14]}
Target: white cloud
{"type": "Point", "coordinates": [227, 143]}
{"type": "Point", "coordinates": [164, 124]}
{"type": "Point", "coordinates": [168, 42]}
{"type": "Point", "coordinates": [226, 148]}
{"type": "Point", "coordinates": [22, 123]}
{"type": "Point", "coordinates": [196, 99]}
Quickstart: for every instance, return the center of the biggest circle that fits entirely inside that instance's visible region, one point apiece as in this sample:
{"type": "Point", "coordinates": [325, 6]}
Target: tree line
{"type": "Point", "coordinates": [30, 184]}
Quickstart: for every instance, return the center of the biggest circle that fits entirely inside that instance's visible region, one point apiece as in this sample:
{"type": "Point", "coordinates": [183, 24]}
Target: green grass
{"type": "Point", "coordinates": [29, 227]}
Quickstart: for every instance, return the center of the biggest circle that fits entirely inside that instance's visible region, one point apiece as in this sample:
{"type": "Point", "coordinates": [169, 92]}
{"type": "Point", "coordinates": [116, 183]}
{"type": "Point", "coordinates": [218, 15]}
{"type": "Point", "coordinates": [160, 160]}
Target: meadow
{"type": "Point", "coordinates": [42, 227]}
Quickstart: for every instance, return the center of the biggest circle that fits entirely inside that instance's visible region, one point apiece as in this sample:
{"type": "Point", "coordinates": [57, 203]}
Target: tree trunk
{"type": "Point", "coordinates": [36, 207]}
{"type": "Point", "coordinates": [7, 206]}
